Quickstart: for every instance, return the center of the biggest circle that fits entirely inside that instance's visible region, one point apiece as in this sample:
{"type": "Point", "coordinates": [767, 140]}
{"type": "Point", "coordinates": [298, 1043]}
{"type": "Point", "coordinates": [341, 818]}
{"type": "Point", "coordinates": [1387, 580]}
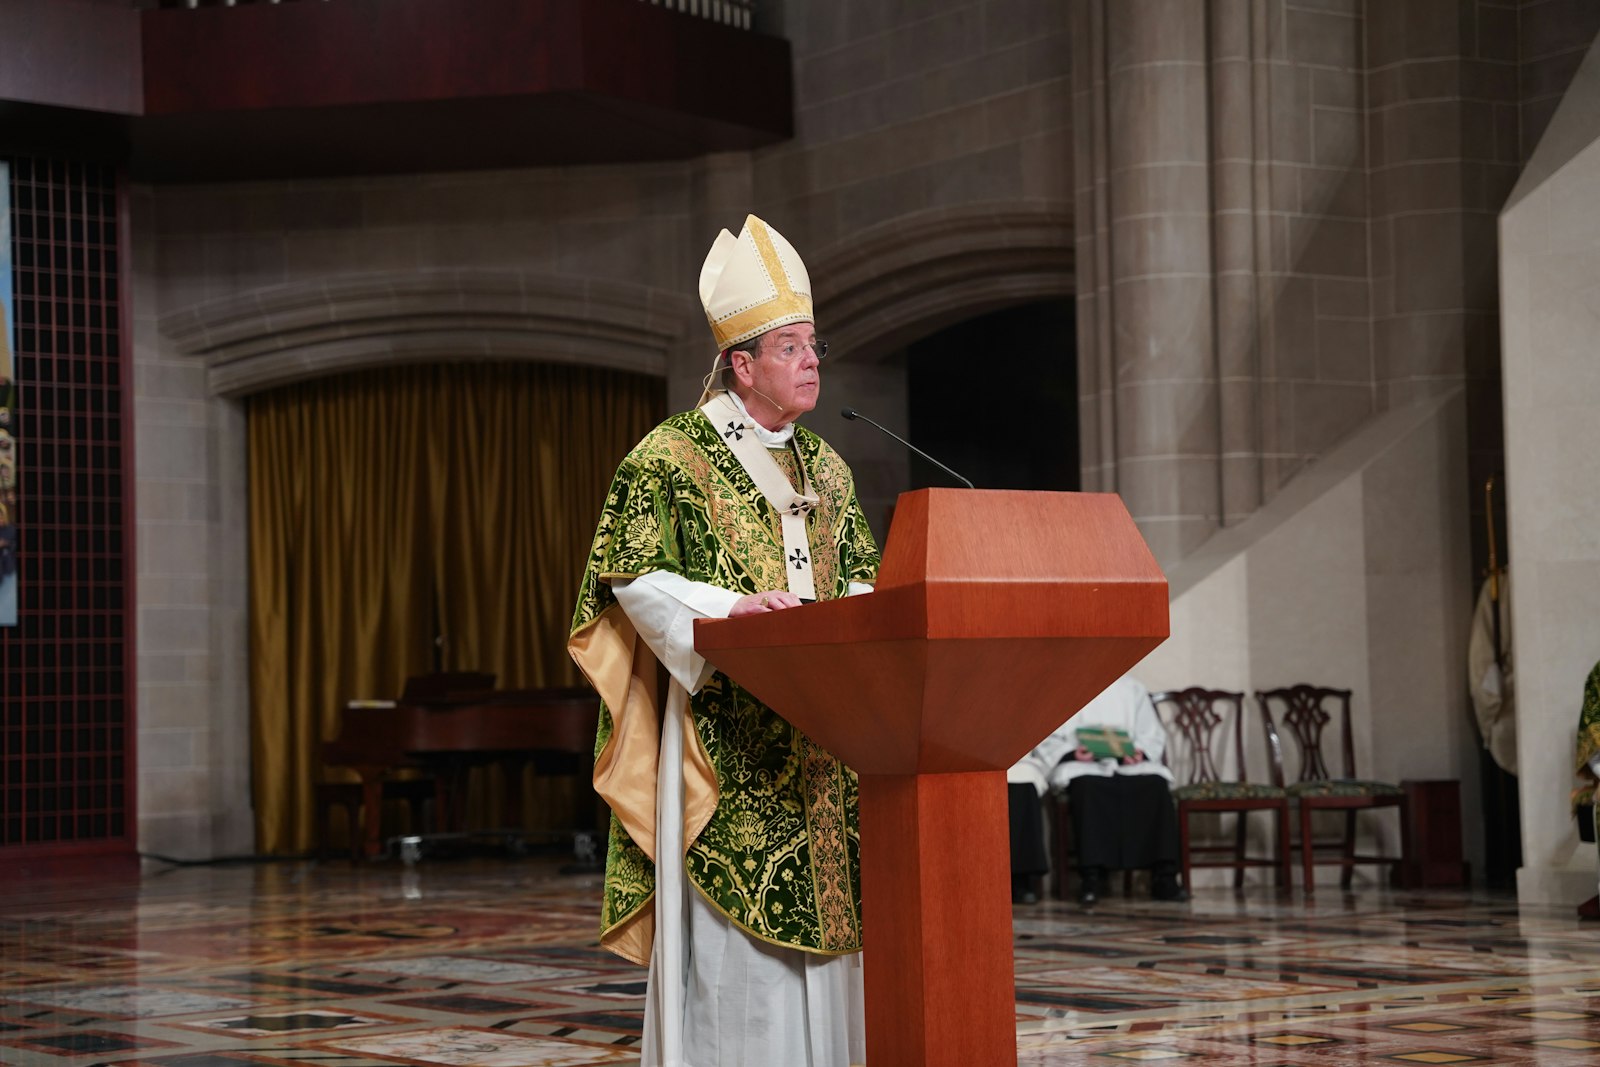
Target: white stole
{"type": "Point", "coordinates": [792, 507]}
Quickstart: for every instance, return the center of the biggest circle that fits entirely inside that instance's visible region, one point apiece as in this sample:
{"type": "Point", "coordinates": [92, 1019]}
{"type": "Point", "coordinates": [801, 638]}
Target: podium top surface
{"type": "Point", "coordinates": [997, 616]}
{"type": "Point", "coordinates": [1013, 535]}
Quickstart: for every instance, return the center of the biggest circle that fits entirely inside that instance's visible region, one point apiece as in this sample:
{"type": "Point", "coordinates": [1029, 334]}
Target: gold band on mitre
{"type": "Point", "coordinates": [751, 284]}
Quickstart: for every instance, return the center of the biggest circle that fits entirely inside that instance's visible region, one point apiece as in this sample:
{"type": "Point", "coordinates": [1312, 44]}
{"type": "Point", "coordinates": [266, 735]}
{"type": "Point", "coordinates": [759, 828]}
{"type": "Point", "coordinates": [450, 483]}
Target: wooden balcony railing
{"type": "Point", "coordinates": [739, 13]}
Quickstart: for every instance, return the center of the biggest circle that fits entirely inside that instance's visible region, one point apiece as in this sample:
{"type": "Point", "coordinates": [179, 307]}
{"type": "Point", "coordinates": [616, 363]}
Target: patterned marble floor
{"type": "Point", "coordinates": [493, 963]}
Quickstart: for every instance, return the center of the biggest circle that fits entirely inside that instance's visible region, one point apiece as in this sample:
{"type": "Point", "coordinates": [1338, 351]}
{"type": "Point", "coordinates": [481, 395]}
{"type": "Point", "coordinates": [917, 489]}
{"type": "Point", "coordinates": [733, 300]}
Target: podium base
{"type": "Point", "coordinates": [936, 920]}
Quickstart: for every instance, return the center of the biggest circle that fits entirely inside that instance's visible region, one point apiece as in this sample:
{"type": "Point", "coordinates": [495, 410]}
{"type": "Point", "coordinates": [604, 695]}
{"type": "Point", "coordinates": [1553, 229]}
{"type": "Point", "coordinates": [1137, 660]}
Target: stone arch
{"type": "Point", "coordinates": [908, 278]}
{"type": "Point", "coordinates": [289, 333]}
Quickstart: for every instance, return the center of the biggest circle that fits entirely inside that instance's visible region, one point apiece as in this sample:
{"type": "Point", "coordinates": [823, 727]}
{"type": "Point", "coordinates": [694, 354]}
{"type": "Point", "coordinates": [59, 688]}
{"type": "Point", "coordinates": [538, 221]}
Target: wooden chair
{"type": "Point", "coordinates": [1304, 716]}
{"type": "Point", "coordinates": [1203, 727]}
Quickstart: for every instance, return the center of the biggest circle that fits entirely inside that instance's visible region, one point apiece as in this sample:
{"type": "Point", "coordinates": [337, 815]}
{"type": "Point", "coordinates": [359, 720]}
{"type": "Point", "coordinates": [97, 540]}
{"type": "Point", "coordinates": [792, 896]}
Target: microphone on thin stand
{"type": "Point", "coordinates": [852, 414]}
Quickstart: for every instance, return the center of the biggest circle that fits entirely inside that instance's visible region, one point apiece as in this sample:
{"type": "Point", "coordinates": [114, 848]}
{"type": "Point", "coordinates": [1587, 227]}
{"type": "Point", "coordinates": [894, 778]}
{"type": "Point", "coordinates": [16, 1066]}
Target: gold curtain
{"type": "Point", "coordinates": [386, 502]}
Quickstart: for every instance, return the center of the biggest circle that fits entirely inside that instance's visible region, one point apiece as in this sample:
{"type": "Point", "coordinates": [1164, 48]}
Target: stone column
{"type": "Point", "coordinates": [1241, 240]}
{"type": "Point", "coordinates": [1147, 335]}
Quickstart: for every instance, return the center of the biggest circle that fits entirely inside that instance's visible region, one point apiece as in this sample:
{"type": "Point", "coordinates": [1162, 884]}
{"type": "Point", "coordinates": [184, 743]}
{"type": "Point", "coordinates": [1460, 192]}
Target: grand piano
{"type": "Point", "coordinates": [447, 725]}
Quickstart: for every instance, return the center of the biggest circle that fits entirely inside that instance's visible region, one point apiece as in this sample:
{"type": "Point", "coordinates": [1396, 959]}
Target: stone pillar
{"type": "Point", "coordinates": [190, 504]}
{"type": "Point", "coordinates": [1147, 334]}
{"type": "Point", "coordinates": [1241, 236]}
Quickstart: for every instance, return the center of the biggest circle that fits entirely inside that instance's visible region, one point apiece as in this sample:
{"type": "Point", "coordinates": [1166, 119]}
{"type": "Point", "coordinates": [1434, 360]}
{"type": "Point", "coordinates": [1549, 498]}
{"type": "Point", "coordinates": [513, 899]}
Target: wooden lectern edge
{"type": "Point", "coordinates": [936, 530]}
{"type": "Point", "coordinates": [711, 644]}
{"type": "Point", "coordinates": [916, 623]}
{"type": "Point", "coordinates": [957, 670]}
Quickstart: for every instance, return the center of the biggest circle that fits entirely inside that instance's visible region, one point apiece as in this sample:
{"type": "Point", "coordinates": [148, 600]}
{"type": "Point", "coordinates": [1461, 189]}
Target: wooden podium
{"type": "Point", "coordinates": [997, 616]}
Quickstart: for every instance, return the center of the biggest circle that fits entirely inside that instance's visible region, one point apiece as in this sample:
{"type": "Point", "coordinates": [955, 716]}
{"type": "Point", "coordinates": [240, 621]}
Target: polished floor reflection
{"type": "Point", "coordinates": [493, 963]}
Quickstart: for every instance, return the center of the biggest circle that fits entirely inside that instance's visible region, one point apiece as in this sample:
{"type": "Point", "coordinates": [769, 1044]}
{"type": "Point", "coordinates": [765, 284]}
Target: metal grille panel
{"type": "Point", "coordinates": [66, 739]}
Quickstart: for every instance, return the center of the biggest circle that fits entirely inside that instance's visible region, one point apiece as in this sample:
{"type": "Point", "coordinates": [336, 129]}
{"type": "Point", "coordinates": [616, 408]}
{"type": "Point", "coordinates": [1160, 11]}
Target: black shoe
{"type": "Point", "coordinates": [1090, 887]}
{"type": "Point", "coordinates": [1022, 891]}
{"type": "Point", "coordinates": [1166, 887]}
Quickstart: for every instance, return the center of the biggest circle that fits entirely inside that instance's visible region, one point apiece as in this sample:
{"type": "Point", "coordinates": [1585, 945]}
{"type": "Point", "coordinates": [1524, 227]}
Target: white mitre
{"type": "Point", "coordinates": [751, 284]}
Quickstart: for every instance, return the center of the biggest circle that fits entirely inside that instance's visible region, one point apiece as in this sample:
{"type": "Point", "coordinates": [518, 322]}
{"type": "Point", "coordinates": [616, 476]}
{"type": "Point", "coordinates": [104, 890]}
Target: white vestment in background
{"type": "Point", "coordinates": [1123, 705]}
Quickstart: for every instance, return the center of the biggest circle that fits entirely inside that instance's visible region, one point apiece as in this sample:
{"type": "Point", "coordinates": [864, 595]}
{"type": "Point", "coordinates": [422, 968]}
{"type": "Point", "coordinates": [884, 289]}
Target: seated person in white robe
{"type": "Point", "coordinates": [1122, 813]}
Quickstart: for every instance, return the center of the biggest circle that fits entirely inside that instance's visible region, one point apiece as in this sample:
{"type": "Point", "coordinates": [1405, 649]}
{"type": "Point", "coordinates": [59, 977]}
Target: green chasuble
{"type": "Point", "coordinates": [1588, 745]}
{"type": "Point", "coordinates": [778, 854]}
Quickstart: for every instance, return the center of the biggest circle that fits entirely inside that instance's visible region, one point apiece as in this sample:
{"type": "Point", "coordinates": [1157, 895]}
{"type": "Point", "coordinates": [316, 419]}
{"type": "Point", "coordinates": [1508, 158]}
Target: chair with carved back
{"type": "Point", "coordinates": [1205, 735]}
{"type": "Point", "coordinates": [1302, 711]}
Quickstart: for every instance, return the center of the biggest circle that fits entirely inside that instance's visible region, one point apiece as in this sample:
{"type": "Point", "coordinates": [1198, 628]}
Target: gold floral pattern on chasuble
{"type": "Point", "coordinates": [780, 855]}
{"type": "Point", "coordinates": [831, 806]}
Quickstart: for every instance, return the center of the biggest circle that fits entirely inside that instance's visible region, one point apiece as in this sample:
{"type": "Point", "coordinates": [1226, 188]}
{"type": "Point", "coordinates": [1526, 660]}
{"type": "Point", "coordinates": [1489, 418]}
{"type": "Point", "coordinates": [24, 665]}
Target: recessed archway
{"type": "Point", "coordinates": [896, 283]}
{"type": "Point", "coordinates": [289, 333]}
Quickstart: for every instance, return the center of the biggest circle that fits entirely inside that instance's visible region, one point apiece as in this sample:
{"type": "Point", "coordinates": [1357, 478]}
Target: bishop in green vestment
{"type": "Point", "coordinates": [777, 849]}
{"type": "Point", "coordinates": [1588, 749]}
{"type": "Point", "coordinates": [726, 510]}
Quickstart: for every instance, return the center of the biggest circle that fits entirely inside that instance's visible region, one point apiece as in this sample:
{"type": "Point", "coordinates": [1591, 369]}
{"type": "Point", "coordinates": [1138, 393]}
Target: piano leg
{"type": "Point", "coordinates": [372, 812]}
{"type": "Point", "coordinates": [513, 801]}
{"type": "Point", "coordinates": [454, 771]}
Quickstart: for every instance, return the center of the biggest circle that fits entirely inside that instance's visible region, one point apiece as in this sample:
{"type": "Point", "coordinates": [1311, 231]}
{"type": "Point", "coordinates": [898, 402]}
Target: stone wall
{"type": "Point", "coordinates": [1275, 214]}
{"type": "Point", "coordinates": [1550, 241]}
{"type": "Point", "coordinates": [245, 286]}
{"type": "Point", "coordinates": [1251, 299]}
{"type": "Point", "coordinates": [1552, 37]}
{"type": "Point", "coordinates": [1317, 372]}
{"type": "Point", "coordinates": [1222, 206]}
{"type": "Point", "coordinates": [1348, 578]}
{"type": "Point", "coordinates": [927, 183]}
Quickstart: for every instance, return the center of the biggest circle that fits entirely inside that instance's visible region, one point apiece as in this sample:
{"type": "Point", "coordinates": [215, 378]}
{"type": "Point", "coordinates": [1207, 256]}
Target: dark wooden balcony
{"type": "Point", "coordinates": [325, 87]}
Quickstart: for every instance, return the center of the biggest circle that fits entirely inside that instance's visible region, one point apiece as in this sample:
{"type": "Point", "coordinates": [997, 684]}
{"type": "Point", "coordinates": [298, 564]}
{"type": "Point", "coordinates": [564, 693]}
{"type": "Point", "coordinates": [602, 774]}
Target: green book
{"type": "Point", "coordinates": [1105, 742]}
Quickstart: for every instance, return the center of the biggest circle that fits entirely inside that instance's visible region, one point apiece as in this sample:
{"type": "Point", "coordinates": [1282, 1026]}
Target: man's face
{"type": "Point", "coordinates": [785, 373]}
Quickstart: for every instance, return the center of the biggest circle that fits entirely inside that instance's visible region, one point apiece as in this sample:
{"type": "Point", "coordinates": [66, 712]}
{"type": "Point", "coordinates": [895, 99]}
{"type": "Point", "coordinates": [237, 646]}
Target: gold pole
{"type": "Point", "coordinates": [1494, 573]}
{"type": "Point", "coordinates": [1494, 562]}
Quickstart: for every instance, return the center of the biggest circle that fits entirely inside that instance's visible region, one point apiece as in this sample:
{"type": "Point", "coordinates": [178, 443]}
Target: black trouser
{"type": "Point", "coordinates": [1028, 853]}
{"type": "Point", "coordinates": [1124, 822]}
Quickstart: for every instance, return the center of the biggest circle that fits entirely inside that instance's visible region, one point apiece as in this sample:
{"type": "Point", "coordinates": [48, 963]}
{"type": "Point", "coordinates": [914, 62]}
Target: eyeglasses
{"type": "Point", "coordinates": [790, 352]}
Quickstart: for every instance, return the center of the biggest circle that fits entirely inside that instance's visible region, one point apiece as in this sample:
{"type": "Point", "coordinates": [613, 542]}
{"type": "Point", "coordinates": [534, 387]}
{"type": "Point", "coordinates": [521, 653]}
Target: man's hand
{"type": "Point", "coordinates": [1082, 755]}
{"type": "Point", "coordinates": [761, 603]}
{"type": "Point", "coordinates": [1137, 757]}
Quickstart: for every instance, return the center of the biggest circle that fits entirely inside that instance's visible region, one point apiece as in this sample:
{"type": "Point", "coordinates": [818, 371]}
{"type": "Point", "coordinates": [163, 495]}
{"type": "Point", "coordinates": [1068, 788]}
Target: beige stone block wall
{"type": "Point", "coordinates": [928, 182]}
{"type": "Point", "coordinates": [907, 118]}
{"type": "Point", "coordinates": [193, 774]}
{"type": "Point", "coordinates": [1317, 360]}
{"type": "Point", "coordinates": [1552, 38]}
{"type": "Point", "coordinates": [1550, 240]}
{"type": "Point", "coordinates": [1224, 243]}
{"type": "Point", "coordinates": [223, 276]}
{"type": "Point", "coordinates": [1348, 579]}
{"type": "Point", "coordinates": [908, 108]}
{"type": "Point", "coordinates": [1328, 254]}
